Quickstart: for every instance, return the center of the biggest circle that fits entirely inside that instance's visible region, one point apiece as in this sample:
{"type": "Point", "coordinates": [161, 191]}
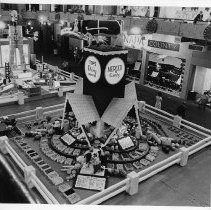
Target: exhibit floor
{"type": "Point", "coordinates": [177, 186]}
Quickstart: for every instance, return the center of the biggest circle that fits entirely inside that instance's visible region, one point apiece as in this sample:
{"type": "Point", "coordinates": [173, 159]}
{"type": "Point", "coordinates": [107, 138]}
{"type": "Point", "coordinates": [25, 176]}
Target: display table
{"type": "Point", "coordinates": [49, 162]}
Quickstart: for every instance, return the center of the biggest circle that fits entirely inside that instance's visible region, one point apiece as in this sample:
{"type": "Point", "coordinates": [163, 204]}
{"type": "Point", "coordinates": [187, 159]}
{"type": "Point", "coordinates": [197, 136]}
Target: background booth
{"type": "Point", "coordinates": [166, 65]}
{"type": "Point", "coordinates": [165, 73]}
{"type": "Point", "coordinates": [4, 53]}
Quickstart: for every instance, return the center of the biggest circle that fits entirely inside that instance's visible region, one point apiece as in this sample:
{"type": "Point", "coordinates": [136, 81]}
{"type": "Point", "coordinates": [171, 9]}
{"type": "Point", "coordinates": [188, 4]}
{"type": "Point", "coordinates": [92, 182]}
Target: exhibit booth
{"type": "Point", "coordinates": [165, 62]}
{"type": "Point", "coordinates": [102, 141]}
{"type": "Point", "coordinates": [200, 82]}
{"type": "Point", "coordinates": [5, 53]}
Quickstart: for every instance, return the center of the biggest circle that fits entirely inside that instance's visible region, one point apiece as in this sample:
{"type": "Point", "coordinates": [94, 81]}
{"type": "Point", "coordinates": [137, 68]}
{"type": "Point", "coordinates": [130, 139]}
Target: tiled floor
{"type": "Point", "coordinates": [176, 186]}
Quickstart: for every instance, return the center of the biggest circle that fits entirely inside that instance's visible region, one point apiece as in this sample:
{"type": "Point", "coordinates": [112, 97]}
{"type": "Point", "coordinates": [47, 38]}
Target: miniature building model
{"type": "Point", "coordinates": [16, 41]}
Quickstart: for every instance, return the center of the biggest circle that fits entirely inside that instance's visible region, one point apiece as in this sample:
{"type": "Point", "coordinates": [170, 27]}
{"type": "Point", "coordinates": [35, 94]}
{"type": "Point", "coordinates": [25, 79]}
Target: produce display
{"type": "Point", "coordinates": [90, 169]}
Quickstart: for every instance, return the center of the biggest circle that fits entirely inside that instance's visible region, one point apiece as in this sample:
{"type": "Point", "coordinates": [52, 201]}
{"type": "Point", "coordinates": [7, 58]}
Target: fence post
{"type": "Point", "coordinates": [141, 106]}
{"type": "Point", "coordinates": [39, 113]}
{"type": "Point", "coordinates": [177, 121]}
{"type": "Point", "coordinates": [184, 156]}
{"type": "Point", "coordinates": [3, 148]}
{"type": "Point", "coordinates": [28, 171]}
{"type": "Point", "coordinates": [132, 187]}
{"type": "Point", "coordinates": [20, 98]}
{"type": "Point", "coordinates": [60, 92]}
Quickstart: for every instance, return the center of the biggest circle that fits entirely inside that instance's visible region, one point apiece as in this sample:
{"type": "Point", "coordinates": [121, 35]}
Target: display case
{"type": "Point", "coordinates": [165, 74]}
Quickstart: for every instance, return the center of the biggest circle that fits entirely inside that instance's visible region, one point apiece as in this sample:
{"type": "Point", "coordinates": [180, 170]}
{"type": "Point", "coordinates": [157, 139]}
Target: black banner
{"type": "Point", "coordinates": [109, 27]}
{"type": "Point", "coordinates": [164, 45]}
{"type": "Point", "coordinates": [104, 77]}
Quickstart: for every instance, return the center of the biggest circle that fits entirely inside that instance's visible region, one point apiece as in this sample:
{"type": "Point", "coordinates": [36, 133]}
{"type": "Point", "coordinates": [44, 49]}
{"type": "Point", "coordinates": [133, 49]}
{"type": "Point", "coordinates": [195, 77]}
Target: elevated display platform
{"type": "Point", "coordinates": [28, 86]}
{"type": "Point", "coordinates": [54, 156]}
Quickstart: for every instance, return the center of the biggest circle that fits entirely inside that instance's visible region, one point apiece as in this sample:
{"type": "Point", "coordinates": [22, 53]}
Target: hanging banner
{"type": "Point", "coordinates": [133, 41]}
{"type": "Point", "coordinates": [164, 45]}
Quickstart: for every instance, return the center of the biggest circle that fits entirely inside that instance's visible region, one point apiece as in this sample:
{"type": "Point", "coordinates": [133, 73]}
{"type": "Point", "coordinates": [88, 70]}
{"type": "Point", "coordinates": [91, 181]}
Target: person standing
{"type": "Point", "coordinates": [158, 100]}
{"type": "Point", "coordinates": [181, 110]}
{"type": "Point", "coordinates": [198, 17]}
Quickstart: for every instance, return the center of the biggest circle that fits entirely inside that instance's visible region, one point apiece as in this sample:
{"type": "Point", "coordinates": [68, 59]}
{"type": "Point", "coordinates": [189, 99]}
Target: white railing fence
{"type": "Point", "coordinates": [29, 172]}
{"type": "Point", "coordinates": [129, 184]}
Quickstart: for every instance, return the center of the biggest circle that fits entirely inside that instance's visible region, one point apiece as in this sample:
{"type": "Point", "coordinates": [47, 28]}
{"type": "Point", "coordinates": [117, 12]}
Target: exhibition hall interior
{"type": "Point", "coordinates": [105, 104]}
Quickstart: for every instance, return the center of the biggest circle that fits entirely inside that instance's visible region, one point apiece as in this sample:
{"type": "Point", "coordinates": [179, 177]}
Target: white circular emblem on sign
{"type": "Point", "coordinates": [114, 71]}
{"type": "Point", "coordinates": [92, 69]}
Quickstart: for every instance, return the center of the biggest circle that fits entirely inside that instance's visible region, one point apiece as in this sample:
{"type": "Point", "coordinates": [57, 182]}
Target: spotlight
{"type": "Point", "coordinates": [42, 19]}
{"type": "Point", "coordinates": [135, 31]}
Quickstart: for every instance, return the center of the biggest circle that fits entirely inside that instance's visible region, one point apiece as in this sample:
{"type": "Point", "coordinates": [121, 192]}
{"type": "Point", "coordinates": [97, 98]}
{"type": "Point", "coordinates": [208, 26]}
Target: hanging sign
{"type": "Point", "coordinates": [114, 71]}
{"type": "Point", "coordinates": [133, 41]}
{"type": "Point", "coordinates": [164, 45]}
{"type": "Point", "coordinates": [92, 69]}
{"type": "Point", "coordinates": [195, 47]}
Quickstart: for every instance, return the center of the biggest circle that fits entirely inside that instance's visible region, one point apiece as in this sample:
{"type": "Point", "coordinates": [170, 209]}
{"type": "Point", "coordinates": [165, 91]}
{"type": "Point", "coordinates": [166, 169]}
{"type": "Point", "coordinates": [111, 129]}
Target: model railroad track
{"type": "Point", "coordinates": [138, 155]}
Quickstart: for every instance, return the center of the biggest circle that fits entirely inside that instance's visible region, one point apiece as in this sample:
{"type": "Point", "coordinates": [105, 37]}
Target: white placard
{"type": "Point", "coordinates": [92, 69]}
{"type": "Point", "coordinates": [126, 142]}
{"type": "Point", "coordinates": [56, 84]}
{"type": "Point", "coordinates": [154, 74]}
{"type": "Point", "coordinates": [25, 75]}
{"type": "Point", "coordinates": [114, 71]}
{"type": "Point", "coordinates": [68, 139]}
{"type": "Point", "coordinates": [137, 66]}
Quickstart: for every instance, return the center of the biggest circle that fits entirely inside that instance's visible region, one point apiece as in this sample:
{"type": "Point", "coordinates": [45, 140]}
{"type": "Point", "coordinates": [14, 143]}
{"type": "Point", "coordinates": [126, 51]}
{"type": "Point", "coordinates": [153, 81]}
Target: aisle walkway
{"type": "Point", "coordinates": [188, 186]}
{"type": "Point", "coordinates": [176, 186]}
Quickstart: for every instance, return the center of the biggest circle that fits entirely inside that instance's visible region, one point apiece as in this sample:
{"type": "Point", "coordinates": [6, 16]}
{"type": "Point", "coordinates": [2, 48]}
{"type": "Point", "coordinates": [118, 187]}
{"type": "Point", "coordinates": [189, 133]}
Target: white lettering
{"type": "Point", "coordinates": [92, 69]}
{"type": "Point", "coordinates": [163, 45]}
{"type": "Point", "coordinates": [114, 73]}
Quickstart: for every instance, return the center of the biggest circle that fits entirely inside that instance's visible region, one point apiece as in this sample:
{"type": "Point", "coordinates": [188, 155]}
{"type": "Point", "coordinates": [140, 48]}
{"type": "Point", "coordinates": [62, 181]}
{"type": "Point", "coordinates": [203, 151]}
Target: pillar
{"type": "Point", "coordinates": [177, 121]}
{"type": "Point", "coordinates": [40, 7]}
{"type": "Point", "coordinates": [118, 10]}
{"type": "Point", "coordinates": [20, 98]}
{"type": "Point", "coordinates": [3, 147]}
{"type": "Point", "coordinates": [28, 171]}
{"type": "Point", "coordinates": [52, 7]}
{"type": "Point", "coordinates": [101, 9]}
{"type": "Point", "coordinates": [144, 66]}
{"type": "Point", "coordinates": [184, 156]}
{"type": "Point", "coordinates": [64, 8]}
{"type": "Point", "coordinates": [83, 8]}
{"type": "Point", "coordinates": [60, 92]}
{"type": "Point", "coordinates": [133, 183]}
{"type": "Point", "coordinates": [39, 113]}
{"type": "Point", "coordinates": [186, 77]}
